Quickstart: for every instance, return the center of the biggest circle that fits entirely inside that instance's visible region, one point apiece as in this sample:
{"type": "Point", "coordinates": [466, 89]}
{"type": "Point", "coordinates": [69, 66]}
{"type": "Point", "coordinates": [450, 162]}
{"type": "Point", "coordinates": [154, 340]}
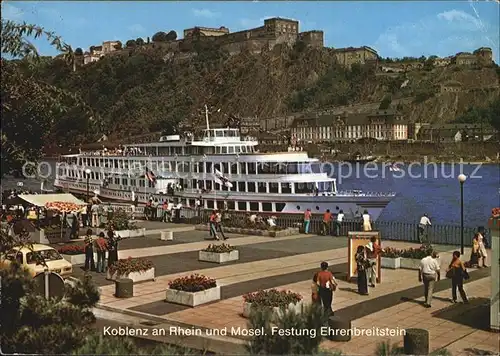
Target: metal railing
{"type": "Point", "coordinates": [390, 230]}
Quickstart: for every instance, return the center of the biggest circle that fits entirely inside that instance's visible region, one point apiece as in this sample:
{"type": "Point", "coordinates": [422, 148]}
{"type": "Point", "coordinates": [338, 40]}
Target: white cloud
{"type": "Point", "coordinates": [137, 28]}
{"type": "Point", "coordinates": [205, 13]}
{"type": "Point", "coordinates": [11, 12]}
{"type": "Point", "coordinates": [443, 34]}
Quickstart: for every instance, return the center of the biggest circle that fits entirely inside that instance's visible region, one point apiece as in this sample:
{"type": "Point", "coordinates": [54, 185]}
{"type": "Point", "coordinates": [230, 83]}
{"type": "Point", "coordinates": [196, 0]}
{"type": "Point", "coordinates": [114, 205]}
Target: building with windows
{"type": "Point", "coordinates": [381, 125]}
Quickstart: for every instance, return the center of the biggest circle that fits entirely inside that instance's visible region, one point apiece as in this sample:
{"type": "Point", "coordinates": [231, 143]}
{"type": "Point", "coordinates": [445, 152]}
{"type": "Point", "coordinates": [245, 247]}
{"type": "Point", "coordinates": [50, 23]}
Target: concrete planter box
{"type": "Point", "coordinates": [141, 232]}
{"type": "Point", "coordinates": [141, 276]}
{"type": "Point", "coordinates": [410, 263]}
{"type": "Point", "coordinates": [77, 259]}
{"type": "Point", "coordinates": [254, 232]}
{"type": "Point", "coordinates": [390, 262]}
{"type": "Point", "coordinates": [219, 257]}
{"type": "Point", "coordinates": [247, 307]}
{"type": "Point", "coordinates": [192, 299]}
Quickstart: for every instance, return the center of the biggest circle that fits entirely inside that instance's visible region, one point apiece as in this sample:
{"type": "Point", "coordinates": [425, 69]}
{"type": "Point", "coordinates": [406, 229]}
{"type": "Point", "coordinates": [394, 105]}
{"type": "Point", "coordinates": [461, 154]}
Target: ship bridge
{"type": "Point", "coordinates": [222, 136]}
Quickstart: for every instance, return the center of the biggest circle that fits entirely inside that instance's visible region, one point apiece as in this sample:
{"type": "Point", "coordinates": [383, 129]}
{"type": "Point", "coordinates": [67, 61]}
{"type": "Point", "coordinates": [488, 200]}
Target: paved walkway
{"type": "Point", "coordinates": [384, 307]}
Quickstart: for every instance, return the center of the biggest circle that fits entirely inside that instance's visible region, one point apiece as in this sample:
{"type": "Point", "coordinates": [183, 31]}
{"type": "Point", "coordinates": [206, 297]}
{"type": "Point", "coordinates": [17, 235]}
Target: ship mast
{"type": "Point", "coordinates": [206, 117]}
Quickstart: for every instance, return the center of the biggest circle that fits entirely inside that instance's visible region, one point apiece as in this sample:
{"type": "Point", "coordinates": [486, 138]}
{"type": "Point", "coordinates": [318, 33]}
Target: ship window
{"type": "Point", "coordinates": [141, 183]}
{"type": "Point", "coordinates": [217, 186]}
{"type": "Point", "coordinates": [234, 168]}
{"type": "Point", "coordinates": [133, 182]}
{"type": "Point", "coordinates": [242, 205]}
{"type": "Point", "coordinates": [201, 167]}
{"type": "Point", "coordinates": [220, 204]}
{"type": "Point", "coordinates": [280, 207]}
{"type": "Point", "coordinates": [273, 187]}
{"type": "Point", "coordinates": [317, 207]}
{"type": "Point", "coordinates": [254, 206]}
{"type": "Point", "coordinates": [267, 207]}
{"type": "Point", "coordinates": [298, 207]}
{"type": "Point", "coordinates": [192, 202]}
{"type": "Point", "coordinates": [243, 168]}
{"type": "Point", "coordinates": [124, 181]}
{"type": "Point", "coordinates": [209, 167]}
{"type": "Point", "coordinates": [286, 188]}
{"type": "Point", "coordinates": [252, 168]}
{"type": "Point", "coordinates": [264, 168]}
{"type": "Point", "coordinates": [231, 149]}
{"type": "Point", "coordinates": [241, 186]}
{"type": "Point", "coordinates": [225, 169]}
{"type": "Point", "coordinates": [251, 187]}
{"type": "Point", "coordinates": [301, 188]}
{"type": "Point", "coordinates": [224, 150]}
{"type": "Point", "coordinates": [210, 204]}
{"type": "Point", "coordinates": [219, 133]}
{"type": "Point", "coordinates": [117, 180]}
{"type": "Point", "coordinates": [230, 205]}
{"type": "Point", "coordinates": [262, 187]}
{"type": "Point", "coordinates": [233, 188]}
{"type": "Point", "coordinates": [208, 184]}
{"type": "Point", "coordinates": [116, 163]}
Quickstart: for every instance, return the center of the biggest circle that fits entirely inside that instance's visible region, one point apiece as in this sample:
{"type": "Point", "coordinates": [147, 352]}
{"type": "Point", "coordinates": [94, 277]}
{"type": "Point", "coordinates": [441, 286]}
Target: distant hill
{"type": "Point", "coordinates": [147, 90]}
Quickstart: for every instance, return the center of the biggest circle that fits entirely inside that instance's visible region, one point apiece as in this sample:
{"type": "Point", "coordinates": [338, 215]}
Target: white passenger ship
{"type": "Point", "coordinates": [221, 167]}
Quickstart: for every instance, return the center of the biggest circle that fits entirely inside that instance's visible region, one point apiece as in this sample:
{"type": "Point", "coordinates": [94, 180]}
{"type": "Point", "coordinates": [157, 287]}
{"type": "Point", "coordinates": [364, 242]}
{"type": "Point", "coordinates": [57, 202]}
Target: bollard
{"type": "Point", "coordinates": [167, 236]}
{"type": "Point", "coordinates": [416, 342]}
{"type": "Point", "coordinates": [339, 329]}
{"type": "Point", "coordinates": [124, 288]}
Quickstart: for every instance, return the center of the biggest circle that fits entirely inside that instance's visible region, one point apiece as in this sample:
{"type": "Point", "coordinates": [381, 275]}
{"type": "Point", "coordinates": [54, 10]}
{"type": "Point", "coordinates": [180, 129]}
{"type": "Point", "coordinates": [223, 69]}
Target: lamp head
{"type": "Point", "coordinates": [462, 178]}
{"type": "Point", "coordinates": [88, 171]}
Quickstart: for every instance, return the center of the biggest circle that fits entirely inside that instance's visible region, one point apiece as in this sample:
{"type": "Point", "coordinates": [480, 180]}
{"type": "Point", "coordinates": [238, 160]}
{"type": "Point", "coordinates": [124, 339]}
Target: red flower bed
{"type": "Point", "coordinates": [71, 250]}
{"type": "Point", "coordinates": [192, 283]}
{"type": "Point", "coordinates": [130, 265]}
{"type": "Point", "coordinates": [272, 298]}
{"type": "Point", "coordinates": [495, 212]}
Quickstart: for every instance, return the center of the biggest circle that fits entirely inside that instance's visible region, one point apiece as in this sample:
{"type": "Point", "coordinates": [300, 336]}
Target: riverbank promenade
{"type": "Point", "coordinates": [288, 263]}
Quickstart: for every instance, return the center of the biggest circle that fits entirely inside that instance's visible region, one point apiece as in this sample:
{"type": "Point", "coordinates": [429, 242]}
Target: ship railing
{"type": "Point", "coordinates": [389, 230]}
{"type": "Point", "coordinates": [360, 193]}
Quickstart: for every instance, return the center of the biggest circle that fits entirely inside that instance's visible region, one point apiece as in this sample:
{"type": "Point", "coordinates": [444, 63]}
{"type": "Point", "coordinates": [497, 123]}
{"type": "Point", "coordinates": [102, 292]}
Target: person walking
{"type": "Point", "coordinates": [307, 221]}
{"type": "Point", "coordinates": [89, 251]}
{"type": "Point", "coordinates": [326, 286]}
{"type": "Point", "coordinates": [327, 220]}
{"type": "Point", "coordinates": [428, 273]}
{"type": "Point", "coordinates": [338, 223]}
{"type": "Point", "coordinates": [100, 249]}
{"type": "Point", "coordinates": [95, 215]}
{"type": "Point", "coordinates": [218, 224]}
{"type": "Point", "coordinates": [362, 264]}
{"type": "Point", "coordinates": [372, 251]}
{"type": "Point", "coordinates": [457, 272]}
{"type": "Point", "coordinates": [84, 215]}
{"type": "Point", "coordinates": [213, 229]}
{"type": "Point", "coordinates": [423, 225]}
{"type": "Point", "coordinates": [367, 224]}
{"type": "Point", "coordinates": [482, 250]}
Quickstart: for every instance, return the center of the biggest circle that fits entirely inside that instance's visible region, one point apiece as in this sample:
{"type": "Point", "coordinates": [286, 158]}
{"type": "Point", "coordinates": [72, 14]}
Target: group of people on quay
{"type": "Point", "coordinates": [336, 221]}
{"type": "Point", "coordinates": [101, 245]}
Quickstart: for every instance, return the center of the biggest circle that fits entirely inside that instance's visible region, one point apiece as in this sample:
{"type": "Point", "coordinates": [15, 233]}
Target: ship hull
{"type": "Point", "coordinates": [288, 203]}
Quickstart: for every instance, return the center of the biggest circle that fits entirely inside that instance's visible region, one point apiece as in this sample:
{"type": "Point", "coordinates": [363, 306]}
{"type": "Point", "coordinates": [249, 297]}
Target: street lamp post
{"type": "Point", "coordinates": [462, 178]}
{"type": "Point", "coordinates": [87, 176]}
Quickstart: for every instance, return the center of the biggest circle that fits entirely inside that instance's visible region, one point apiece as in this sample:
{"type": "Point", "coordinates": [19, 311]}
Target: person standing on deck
{"type": "Point", "coordinates": [367, 223]}
{"type": "Point", "coordinates": [423, 225]}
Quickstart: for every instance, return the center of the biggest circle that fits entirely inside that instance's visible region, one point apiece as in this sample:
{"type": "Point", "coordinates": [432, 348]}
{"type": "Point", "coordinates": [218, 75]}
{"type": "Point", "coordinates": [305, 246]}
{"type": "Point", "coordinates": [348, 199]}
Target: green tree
{"type": "Point", "coordinates": [159, 37]}
{"type": "Point", "coordinates": [78, 52]}
{"type": "Point", "coordinates": [118, 46]}
{"type": "Point", "coordinates": [385, 103]}
{"type": "Point", "coordinates": [171, 36]}
{"type": "Point", "coordinates": [139, 41]}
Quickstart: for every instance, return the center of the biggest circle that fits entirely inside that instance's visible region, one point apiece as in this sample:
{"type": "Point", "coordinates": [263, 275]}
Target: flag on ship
{"type": "Point", "coordinates": [222, 180]}
{"type": "Point", "coordinates": [150, 175]}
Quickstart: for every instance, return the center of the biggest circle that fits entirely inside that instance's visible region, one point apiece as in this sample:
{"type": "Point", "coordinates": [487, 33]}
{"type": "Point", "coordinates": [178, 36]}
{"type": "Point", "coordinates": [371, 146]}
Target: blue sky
{"type": "Point", "coordinates": [394, 29]}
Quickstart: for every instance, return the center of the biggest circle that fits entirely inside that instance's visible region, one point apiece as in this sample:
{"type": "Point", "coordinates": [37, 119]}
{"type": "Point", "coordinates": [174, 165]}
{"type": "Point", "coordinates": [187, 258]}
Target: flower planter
{"type": "Point", "coordinates": [222, 257]}
{"type": "Point", "coordinates": [254, 232]}
{"type": "Point", "coordinates": [247, 307]}
{"type": "Point", "coordinates": [192, 299]}
{"type": "Point", "coordinates": [410, 263]}
{"type": "Point", "coordinates": [141, 276]}
{"type": "Point", "coordinates": [391, 262]}
{"type": "Point", "coordinates": [77, 259]}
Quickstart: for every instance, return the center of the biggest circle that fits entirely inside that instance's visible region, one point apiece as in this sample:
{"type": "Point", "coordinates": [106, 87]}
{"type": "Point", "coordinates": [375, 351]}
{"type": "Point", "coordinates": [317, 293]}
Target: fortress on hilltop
{"type": "Point", "coordinates": [276, 31]}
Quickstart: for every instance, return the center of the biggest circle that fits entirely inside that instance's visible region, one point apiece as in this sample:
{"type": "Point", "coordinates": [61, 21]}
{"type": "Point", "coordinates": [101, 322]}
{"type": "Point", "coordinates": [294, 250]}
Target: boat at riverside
{"type": "Point", "coordinates": [219, 167]}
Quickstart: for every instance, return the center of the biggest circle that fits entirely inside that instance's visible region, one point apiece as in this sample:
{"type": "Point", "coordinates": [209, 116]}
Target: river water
{"type": "Point", "coordinates": [421, 188]}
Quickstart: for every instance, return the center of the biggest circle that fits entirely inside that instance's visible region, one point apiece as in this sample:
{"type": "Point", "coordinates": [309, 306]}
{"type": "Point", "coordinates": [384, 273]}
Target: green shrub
{"type": "Point", "coordinates": [311, 318]}
{"type": "Point", "coordinates": [272, 298]}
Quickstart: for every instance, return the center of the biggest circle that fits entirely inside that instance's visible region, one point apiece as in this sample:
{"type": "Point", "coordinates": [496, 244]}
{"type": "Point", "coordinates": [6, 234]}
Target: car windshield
{"type": "Point", "coordinates": [46, 255]}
